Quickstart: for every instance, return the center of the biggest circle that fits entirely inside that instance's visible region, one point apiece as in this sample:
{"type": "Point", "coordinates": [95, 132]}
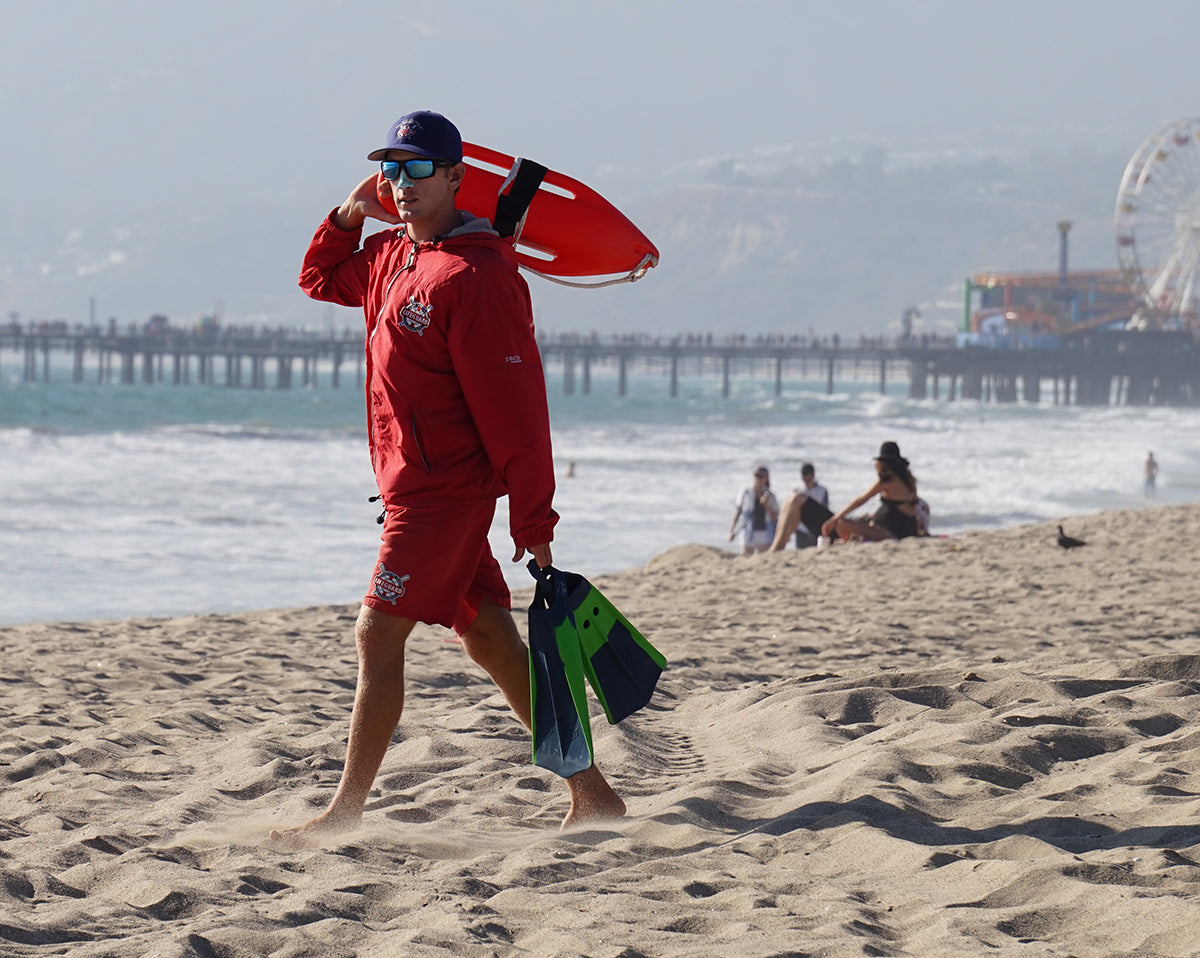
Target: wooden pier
{"type": "Point", "coordinates": [1100, 369]}
{"type": "Point", "coordinates": [1097, 369]}
{"type": "Point", "coordinates": [1112, 368]}
{"type": "Point", "coordinates": [677, 358]}
{"type": "Point", "coordinates": [232, 357]}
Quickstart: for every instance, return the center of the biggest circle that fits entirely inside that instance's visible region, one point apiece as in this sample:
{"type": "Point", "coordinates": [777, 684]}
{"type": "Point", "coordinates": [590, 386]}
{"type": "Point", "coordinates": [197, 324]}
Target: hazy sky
{"type": "Point", "coordinates": [126, 110]}
{"type": "Point", "coordinates": [641, 84]}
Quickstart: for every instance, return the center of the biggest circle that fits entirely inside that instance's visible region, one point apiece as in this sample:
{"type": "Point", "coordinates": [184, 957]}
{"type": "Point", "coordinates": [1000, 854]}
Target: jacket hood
{"type": "Point", "coordinates": [470, 225]}
{"type": "Point", "coordinates": [475, 230]}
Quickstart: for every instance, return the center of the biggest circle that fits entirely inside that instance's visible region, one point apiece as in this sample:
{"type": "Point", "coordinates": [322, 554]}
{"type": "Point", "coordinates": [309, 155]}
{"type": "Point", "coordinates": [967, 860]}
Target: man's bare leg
{"type": "Point", "coordinates": [494, 643]}
{"type": "Point", "coordinates": [378, 702]}
{"type": "Point", "coordinates": [788, 521]}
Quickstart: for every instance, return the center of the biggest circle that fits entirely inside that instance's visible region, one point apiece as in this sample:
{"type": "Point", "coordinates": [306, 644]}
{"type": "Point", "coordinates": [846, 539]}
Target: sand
{"type": "Point", "coordinates": [974, 746]}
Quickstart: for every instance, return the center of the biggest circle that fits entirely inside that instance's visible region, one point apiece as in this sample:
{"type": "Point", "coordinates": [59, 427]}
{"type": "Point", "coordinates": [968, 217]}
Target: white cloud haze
{"type": "Point", "coordinates": [167, 158]}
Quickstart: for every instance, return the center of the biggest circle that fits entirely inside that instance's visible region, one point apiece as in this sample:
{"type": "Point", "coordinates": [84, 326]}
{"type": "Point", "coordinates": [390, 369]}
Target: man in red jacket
{"type": "Point", "coordinates": [457, 417]}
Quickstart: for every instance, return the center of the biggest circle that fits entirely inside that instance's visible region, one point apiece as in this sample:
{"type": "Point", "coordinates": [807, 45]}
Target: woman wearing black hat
{"type": "Point", "coordinates": [896, 517]}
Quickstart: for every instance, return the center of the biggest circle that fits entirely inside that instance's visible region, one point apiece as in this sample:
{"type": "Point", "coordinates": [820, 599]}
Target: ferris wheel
{"type": "Point", "coordinates": [1158, 223]}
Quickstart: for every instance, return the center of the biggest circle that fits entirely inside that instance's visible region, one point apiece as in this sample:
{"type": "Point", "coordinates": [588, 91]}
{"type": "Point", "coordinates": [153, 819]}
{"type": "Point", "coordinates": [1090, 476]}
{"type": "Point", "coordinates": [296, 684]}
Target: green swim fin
{"type": "Point", "coordinates": [620, 663]}
{"type": "Point", "coordinates": [562, 731]}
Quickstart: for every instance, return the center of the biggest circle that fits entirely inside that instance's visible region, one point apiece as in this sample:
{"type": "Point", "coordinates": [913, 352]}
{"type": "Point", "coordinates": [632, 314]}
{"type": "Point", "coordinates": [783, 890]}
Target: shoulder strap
{"type": "Point", "coordinates": [516, 193]}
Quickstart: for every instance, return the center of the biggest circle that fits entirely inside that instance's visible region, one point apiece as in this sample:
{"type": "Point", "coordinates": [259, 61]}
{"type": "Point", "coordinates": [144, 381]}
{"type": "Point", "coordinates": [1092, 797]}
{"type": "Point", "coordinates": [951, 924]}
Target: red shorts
{"type": "Point", "coordinates": [435, 565]}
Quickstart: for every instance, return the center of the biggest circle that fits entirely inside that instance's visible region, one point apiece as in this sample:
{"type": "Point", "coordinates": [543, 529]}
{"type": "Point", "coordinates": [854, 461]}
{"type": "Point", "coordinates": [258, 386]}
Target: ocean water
{"type": "Point", "coordinates": [153, 500]}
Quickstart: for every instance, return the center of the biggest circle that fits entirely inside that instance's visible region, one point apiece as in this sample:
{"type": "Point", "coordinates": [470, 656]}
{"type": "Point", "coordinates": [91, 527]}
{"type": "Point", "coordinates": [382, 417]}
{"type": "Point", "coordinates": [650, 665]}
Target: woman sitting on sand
{"type": "Point", "coordinates": [896, 517]}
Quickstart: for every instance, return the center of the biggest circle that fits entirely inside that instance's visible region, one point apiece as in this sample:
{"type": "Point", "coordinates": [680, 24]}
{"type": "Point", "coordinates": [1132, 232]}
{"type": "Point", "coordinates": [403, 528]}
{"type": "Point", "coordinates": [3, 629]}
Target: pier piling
{"type": "Point", "coordinates": [1126, 368]}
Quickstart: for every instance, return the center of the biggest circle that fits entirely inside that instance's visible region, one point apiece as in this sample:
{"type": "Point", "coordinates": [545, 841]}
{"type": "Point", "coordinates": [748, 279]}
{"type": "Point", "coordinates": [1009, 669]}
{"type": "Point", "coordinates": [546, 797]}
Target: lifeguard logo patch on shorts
{"type": "Point", "coordinates": [388, 585]}
{"type": "Point", "coordinates": [414, 316]}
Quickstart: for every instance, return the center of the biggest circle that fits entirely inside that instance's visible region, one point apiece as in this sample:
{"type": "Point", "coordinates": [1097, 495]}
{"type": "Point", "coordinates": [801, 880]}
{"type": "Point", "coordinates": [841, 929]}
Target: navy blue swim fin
{"type": "Point", "coordinates": [562, 731]}
{"type": "Point", "coordinates": [620, 663]}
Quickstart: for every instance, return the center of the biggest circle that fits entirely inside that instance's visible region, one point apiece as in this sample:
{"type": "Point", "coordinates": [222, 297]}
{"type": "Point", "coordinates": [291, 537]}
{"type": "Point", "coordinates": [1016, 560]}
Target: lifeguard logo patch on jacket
{"type": "Point", "coordinates": [414, 316]}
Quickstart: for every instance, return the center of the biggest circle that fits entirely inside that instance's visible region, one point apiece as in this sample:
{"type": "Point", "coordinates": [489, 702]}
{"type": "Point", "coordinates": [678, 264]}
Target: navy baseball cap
{"type": "Point", "coordinates": [424, 133]}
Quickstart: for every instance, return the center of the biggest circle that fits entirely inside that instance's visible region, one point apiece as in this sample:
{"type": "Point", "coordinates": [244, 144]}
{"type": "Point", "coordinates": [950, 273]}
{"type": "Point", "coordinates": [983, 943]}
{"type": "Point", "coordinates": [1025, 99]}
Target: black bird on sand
{"type": "Point", "coordinates": [1067, 542]}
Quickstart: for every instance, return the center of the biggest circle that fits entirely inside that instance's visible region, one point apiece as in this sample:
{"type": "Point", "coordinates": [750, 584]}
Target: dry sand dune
{"type": "Point", "coordinates": [976, 746]}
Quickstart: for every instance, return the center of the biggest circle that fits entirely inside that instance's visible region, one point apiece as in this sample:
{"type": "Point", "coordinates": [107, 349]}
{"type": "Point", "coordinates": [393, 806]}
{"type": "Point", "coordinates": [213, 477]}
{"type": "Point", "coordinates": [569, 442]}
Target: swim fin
{"type": "Point", "coordinates": [620, 663]}
{"type": "Point", "coordinates": [562, 731]}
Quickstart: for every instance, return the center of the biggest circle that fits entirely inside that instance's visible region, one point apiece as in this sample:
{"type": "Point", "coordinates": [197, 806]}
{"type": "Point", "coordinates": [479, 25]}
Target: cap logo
{"type": "Point", "coordinates": [406, 129]}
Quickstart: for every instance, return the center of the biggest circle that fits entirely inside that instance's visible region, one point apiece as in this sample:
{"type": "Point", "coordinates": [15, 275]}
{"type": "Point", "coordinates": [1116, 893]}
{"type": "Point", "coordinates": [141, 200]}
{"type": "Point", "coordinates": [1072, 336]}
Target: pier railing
{"type": "Point", "coordinates": [1134, 368]}
{"type": "Point", "coordinates": [232, 356]}
{"type": "Point", "coordinates": [782, 359]}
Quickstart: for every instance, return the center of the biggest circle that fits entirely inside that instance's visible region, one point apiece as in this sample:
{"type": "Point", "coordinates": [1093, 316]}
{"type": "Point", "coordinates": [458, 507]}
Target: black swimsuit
{"type": "Point", "coordinates": [758, 520]}
{"type": "Point", "coordinates": [814, 515]}
{"type": "Point", "coordinates": [899, 524]}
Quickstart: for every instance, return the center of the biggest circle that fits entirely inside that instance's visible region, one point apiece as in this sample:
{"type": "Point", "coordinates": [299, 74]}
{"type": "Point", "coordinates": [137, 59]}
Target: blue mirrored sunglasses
{"type": "Point", "coordinates": [413, 169]}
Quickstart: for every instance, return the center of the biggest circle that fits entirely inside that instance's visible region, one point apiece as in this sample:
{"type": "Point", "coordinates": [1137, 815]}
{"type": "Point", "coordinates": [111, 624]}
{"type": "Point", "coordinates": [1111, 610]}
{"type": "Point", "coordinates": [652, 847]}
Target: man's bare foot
{"type": "Point", "coordinates": [331, 822]}
{"type": "Point", "coordinates": [592, 799]}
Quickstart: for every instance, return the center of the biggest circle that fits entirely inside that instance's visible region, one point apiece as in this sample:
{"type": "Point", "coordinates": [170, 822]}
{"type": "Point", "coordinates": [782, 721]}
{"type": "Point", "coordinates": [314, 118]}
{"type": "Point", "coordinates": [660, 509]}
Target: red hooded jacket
{"type": "Point", "coordinates": [456, 397]}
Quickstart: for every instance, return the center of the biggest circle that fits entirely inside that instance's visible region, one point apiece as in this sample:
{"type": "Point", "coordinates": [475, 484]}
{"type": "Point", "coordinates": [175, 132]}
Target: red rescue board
{"type": "Point", "coordinates": [569, 228]}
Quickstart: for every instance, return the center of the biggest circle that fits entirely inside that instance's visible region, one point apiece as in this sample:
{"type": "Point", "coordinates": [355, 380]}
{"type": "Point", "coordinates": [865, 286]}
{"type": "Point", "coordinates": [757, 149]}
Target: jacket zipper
{"type": "Point", "coordinates": [408, 264]}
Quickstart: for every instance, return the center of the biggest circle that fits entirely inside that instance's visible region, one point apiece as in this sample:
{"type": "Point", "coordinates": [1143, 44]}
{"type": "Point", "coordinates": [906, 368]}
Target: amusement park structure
{"type": "Point", "coordinates": [1035, 305]}
{"type": "Point", "coordinates": [1157, 284]}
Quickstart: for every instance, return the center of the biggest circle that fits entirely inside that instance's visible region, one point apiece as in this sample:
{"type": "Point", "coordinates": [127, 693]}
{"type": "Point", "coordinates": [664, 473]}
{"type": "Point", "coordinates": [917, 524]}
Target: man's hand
{"type": "Point", "coordinates": [541, 552]}
{"type": "Point", "coordinates": [363, 202]}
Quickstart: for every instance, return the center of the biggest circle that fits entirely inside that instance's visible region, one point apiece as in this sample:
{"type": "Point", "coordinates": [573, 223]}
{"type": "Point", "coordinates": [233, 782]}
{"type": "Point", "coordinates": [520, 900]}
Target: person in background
{"type": "Point", "coordinates": [755, 514]}
{"type": "Point", "coordinates": [1150, 482]}
{"type": "Point", "coordinates": [456, 402]}
{"type": "Point", "coordinates": [896, 517]}
{"type": "Point", "coordinates": [803, 512]}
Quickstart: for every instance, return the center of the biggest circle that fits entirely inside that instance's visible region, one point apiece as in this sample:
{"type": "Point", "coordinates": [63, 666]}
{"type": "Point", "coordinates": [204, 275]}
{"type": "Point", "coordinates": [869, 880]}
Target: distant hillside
{"type": "Point", "coordinates": [848, 246]}
{"type": "Point", "coordinates": [839, 246]}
